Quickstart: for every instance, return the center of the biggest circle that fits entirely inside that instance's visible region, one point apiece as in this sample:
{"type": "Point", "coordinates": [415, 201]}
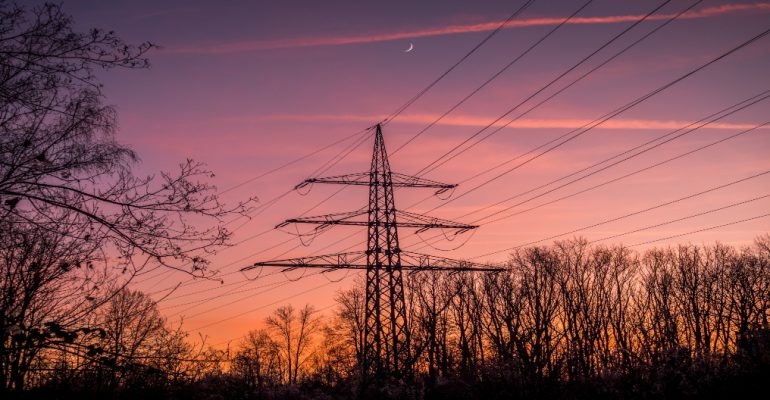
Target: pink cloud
{"type": "Point", "coordinates": [256, 45]}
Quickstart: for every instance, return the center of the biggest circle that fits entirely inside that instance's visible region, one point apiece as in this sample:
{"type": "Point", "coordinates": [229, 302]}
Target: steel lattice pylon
{"type": "Point", "coordinates": [386, 334]}
{"type": "Point", "coordinates": [386, 350]}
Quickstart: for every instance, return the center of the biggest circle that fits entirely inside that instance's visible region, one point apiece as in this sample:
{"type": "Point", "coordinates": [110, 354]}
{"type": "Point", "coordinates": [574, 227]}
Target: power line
{"type": "Point", "coordinates": [721, 114]}
{"type": "Point", "coordinates": [703, 229]}
{"type": "Point", "coordinates": [436, 162]}
{"type": "Point", "coordinates": [243, 283]}
{"type": "Point", "coordinates": [488, 81]}
{"type": "Point", "coordinates": [657, 28]}
{"type": "Point", "coordinates": [639, 100]}
{"type": "Point", "coordinates": [607, 117]}
{"type": "Point", "coordinates": [290, 163]}
{"type": "Point", "coordinates": [493, 77]}
{"type": "Point", "coordinates": [262, 276]}
{"type": "Point", "coordinates": [739, 221]}
{"type": "Point", "coordinates": [510, 63]}
{"type": "Point", "coordinates": [188, 283]}
{"type": "Point", "coordinates": [260, 209]}
{"type": "Point", "coordinates": [668, 160]}
{"type": "Point", "coordinates": [224, 285]}
{"type": "Point", "coordinates": [265, 206]}
{"type": "Point", "coordinates": [322, 169]}
{"type": "Point", "coordinates": [268, 288]}
{"type": "Point", "coordinates": [264, 306]}
{"type": "Point", "coordinates": [620, 178]}
{"type": "Point", "coordinates": [576, 132]}
{"type": "Point", "coordinates": [631, 214]}
{"type": "Point", "coordinates": [624, 159]}
{"type": "Point", "coordinates": [443, 75]}
{"type": "Point", "coordinates": [389, 118]}
{"type": "Point", "coordinates": [691, 216]}
{"type": "Point", "coordinates": [230, 293]}
{"type": "Point", "coordinates": [422, 92]}
{"type": "Point", "coordinates": [411, 101]}
{"type": "Point", "coordinates": [614, 179]}
{"type": "Point", "coordinates": [402, 108]}
{"type": "Point", "coordinates": [575, 66]}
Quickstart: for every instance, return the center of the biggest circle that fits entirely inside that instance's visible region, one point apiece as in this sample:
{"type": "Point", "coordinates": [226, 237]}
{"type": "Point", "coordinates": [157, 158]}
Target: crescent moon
{"type": "Point", "coordinates": [411, 47]}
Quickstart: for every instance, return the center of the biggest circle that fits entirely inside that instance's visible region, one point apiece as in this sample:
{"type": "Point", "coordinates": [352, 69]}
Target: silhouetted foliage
{"type": "Point", "coordinates": [567, 321]}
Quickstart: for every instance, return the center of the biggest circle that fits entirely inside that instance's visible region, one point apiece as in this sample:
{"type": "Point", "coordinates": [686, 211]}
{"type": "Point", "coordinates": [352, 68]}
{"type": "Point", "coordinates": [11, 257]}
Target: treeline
{"type": "Point", "coordinates": [572, 320]}
{"type": "Point", "coordinates": [564, 321]}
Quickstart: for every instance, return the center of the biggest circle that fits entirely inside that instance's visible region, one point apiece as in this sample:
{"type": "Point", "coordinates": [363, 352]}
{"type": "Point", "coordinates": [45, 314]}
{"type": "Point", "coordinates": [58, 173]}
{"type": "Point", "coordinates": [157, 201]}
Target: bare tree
{"type": "Point", "coordinates": [617, 297]}
{"type": "Point", "coordinates": [69, 202]}
{"type": "Point", "coordinates": [132, 325]}
{"type": "Point", "coordinates": [429, 320]}
{"type": "Point", "coordinates": [537, 271]}
{"type": "Point", "coordinates": [60, 164]}
{"type": "Point", "coordinates": [468, 320]}
{"type": "Point", "coordinates": [333, 359]}
{"type": "Point", "coordinates": [295, 332]}
{"type": "Point", "coordinates": [48, 285]}
{"type": "Point", "coordinates": [258, 361]}
{"type": "Point", "coordinates": [350, 318]}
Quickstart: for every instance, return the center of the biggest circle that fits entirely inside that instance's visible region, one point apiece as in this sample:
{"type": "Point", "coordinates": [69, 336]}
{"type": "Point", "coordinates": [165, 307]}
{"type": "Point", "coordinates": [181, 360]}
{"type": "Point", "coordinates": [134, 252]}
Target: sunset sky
{"type": "Point", "coordinates": [248, 86]}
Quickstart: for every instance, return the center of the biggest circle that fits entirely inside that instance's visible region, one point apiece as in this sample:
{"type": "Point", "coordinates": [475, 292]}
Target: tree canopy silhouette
{"type": "Point", "coordinates": [61, 165]}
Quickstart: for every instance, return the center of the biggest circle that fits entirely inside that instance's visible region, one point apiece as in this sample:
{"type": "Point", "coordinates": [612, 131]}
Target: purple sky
{"type": "Point", "coordinates": [248, 86]}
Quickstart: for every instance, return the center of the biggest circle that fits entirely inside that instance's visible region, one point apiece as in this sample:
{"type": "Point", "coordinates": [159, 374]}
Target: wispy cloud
{"type": "Point", "coordinates": [481, 121]}
{"type": "Point", "coordinates": [245, 46]}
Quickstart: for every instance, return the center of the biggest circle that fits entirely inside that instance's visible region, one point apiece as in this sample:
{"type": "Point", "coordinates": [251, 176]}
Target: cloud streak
{"type": "Point", "coordinates": [257, 45]}
{"type": "Point", "coordinates": [481, 121]}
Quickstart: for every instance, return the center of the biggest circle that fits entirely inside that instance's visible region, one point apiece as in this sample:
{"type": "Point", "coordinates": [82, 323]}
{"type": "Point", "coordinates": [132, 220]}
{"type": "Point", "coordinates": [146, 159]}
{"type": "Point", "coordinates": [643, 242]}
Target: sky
{"type": "Point", "coordinates": [248, 86]}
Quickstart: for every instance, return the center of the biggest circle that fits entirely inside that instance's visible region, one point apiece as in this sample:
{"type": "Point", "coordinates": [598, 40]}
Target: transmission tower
{"type": "Point", "coordinates": [386, 350]}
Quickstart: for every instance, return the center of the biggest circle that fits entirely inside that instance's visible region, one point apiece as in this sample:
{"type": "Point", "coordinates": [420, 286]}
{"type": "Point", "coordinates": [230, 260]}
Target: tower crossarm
{"type": "Point", "coordinates": [342, 218]}
{"type": "Point", "coordinates": [405, 220]}
{"type": "Point", "coordinates": [425, 222]}
{"type": "Point", "coordinates": [351, 260]}
{"type": "Point", "coordinates": [425, 262]}
{"type": "Point", "coordinates": [364, 179]}
{"type": "Point", "coordinates": [357, 260]}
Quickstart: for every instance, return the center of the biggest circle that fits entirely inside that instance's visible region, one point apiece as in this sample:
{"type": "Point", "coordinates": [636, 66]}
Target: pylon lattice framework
{"type": "Point", "coordinates": [386, 349]}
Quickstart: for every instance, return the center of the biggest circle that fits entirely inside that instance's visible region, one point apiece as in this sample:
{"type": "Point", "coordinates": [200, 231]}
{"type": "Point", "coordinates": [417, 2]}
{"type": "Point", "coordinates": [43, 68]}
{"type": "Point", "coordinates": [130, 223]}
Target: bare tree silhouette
{"type": "Point", "coordinates": [60, 163]}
